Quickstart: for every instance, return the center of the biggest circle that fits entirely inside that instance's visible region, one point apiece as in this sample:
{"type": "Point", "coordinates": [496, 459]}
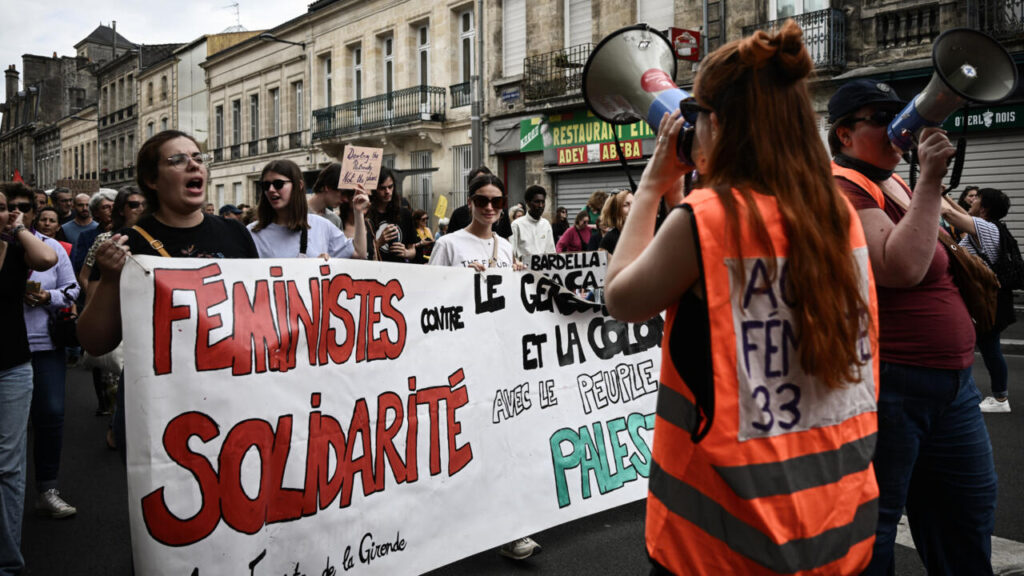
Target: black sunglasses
{"type": "Point", "coordinates": [497, 202]}
{"type": "Point", "coordinates": [277, 184]}
{"type": "Point", "coordinates": [879, 118]}
{"type": "Point", "coordinates": [690, 109]}
{"type": "Point", "coordinates": [22, 207]}
{"type": "Point", "coordinates": [134, 204]}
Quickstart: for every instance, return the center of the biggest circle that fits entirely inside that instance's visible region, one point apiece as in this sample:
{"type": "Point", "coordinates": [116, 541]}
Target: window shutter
{"type": "Point", "coordinates": [513, 37]}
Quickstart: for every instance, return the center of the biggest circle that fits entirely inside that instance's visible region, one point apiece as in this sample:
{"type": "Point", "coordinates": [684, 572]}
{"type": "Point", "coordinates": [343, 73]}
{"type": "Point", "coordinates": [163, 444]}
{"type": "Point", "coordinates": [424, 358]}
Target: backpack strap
{"type": "Point", "coordinates": [494, 252]}
{"type": "Point", "coordinates": [153, 242]}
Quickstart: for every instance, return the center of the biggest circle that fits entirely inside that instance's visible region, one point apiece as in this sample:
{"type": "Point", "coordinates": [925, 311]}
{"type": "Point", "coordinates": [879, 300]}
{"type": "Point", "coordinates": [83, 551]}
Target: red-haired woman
{"type": "Point", "coordinates": [766, 421]}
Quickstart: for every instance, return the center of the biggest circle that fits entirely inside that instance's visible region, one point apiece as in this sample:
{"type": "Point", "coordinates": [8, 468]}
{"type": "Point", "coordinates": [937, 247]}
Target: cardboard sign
{"type": "Point", "coordinates": [360, 165]}
{"type": "Point", "coordinates": [301, 416]}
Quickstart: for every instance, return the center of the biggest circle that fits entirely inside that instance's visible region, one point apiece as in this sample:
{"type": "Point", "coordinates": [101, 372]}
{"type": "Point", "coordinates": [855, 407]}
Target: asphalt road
{"type": "Point", "coordinates": [96, 540]}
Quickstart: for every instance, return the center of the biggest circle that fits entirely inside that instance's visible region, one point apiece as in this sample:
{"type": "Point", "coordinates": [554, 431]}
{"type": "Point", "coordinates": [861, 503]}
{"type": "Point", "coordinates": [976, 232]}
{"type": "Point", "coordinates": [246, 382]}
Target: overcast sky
{"type": "Point", "coordinates": [43, 27]}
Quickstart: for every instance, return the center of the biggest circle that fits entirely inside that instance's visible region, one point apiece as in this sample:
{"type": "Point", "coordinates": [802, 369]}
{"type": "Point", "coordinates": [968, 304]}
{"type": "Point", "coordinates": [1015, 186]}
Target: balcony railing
{"type": "Point", "coordinates": [1002, 19]}
{"type": "Point", "coordinates": [236, 151]}
{"type": "Point", "coordinates": [419, 103]}
{"type": "Point", "coordinates": [907, 27]}
{"type": "Point", "coordinates": [462, 94]}
{"type": "Point", "coordinates": [555, 74]}
{"type": "Point", "coordinates": [272, 144]}
{"type": "Point", "coordinates": [218, 154]}
{"type": "Point", "coordinates": [824, 36]}
{"type": "Point", "coordinates": [294, 140]}
{"type": "Point", "coordinates": [254, 148]}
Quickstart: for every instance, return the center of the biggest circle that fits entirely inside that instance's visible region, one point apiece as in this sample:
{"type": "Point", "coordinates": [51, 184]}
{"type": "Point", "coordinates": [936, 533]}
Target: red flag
{"type": "Point", "coordinates": [17, 177]}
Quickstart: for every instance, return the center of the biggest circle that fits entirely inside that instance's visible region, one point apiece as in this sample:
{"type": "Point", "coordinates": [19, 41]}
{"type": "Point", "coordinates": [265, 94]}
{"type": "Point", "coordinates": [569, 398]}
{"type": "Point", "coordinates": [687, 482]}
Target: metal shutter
{"type": "Point", "coordinates": [578, 22]}
{"type": "Point", "coordinates": [573, 189]}
{"type": "Point", "coordinates": [513, 37]}
{"type": "Point", "coordinates": [660, 14]}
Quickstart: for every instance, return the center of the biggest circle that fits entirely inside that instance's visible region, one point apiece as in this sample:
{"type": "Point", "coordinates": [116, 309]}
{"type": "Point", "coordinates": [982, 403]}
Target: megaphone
{"type": "Point", "coordinates": [969, 66]}
{"type": "Point", "coordinates": [629, 77]}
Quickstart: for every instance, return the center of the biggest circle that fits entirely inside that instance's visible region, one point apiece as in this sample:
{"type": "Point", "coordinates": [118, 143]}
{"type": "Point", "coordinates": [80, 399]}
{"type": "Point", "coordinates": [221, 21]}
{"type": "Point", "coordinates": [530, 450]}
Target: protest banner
{"type": "Point", "coordinates": [302, 416]}
{"type": "Point", "coordinates": [360, 165]}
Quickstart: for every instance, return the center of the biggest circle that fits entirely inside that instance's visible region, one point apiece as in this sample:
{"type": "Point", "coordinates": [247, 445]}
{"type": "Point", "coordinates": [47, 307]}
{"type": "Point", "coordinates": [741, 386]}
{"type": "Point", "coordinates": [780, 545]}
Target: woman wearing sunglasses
{"type": "Point", "coordinates": [284, 227]}
{"type": "Point", "coordinates": [934, 458]}
{"type": "Point", "coordinates": [477, 246]}
{"type": "Point", "coordinates": [393, 229]}
{"type": "Point", "coordinates": [172, 175]}
{"type": "Point", "coordinates": [129, 204]}
{"type": "Point", "coordinates": [765, 421]}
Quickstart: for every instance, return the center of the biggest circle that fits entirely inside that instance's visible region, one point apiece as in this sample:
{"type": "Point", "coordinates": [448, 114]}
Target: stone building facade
{"type": "Point", "coordinates": [118, 123]}
{"type": "Point", "coordinates": [157, 90]}
{"type": "Point", "coordinates": [79, 157]}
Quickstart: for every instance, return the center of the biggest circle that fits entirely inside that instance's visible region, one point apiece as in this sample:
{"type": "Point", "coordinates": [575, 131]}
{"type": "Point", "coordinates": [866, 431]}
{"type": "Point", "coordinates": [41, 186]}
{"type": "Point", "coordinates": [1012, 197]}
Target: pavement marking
{"type": "Point", "coordinates": [1007, 555]}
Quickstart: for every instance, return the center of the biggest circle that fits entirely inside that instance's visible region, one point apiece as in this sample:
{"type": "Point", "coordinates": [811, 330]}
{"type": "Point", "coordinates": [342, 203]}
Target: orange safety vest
{"type": "Point", "coordinates": [865, 183]}
{"type": "Point", "coordinates": [782, 483]}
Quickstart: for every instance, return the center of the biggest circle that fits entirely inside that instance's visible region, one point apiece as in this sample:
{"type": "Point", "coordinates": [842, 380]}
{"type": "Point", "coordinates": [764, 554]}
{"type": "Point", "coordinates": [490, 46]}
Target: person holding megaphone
{"type": "Point", "coordinates": [933, 455]}
{"type": "Point", "coordinates": [765, 421]}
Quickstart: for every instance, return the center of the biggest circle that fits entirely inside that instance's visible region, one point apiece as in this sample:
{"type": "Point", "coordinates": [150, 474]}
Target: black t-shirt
{"type": "Point", "coordinates": [14, 349]}
{"type": "Point", "coordinates": [559, 228]}
{"type": "Point", "coordinates": [215, 237]}
{"type": "Point", "coordinates": [406, 231]}
{"type": "Point", "coordinates": [610, 240]}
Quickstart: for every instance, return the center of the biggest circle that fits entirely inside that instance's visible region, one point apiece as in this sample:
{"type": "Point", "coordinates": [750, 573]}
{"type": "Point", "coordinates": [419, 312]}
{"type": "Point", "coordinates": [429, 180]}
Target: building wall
{"type": "Point", "coordinates": [118, 122]}
{"type": "Point", "coordinates": [192, 97]}
{"type": "Point", "coordinates": [156, 96]}
{"type": "Point", "coordinates": [78, 140]}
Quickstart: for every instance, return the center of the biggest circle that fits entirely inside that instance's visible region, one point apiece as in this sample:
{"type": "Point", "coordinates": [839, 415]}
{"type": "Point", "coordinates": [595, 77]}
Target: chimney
{"type": "Point", "coordinates": [11, 75]}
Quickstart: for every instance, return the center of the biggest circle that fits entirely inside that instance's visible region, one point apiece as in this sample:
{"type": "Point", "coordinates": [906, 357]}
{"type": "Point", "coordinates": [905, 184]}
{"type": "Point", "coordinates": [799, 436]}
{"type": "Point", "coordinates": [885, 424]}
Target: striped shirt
{"type": "Point", "coordinates": [987, 238]}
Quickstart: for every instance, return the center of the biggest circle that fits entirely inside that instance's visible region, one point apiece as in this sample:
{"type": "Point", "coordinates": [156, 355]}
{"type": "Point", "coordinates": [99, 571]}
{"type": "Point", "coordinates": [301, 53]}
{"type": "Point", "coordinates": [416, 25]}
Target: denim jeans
{"type": "Point", "coordinates": [48, 415]}
{"type": "Point", "coordinates": [15, 400]}
{"type": "Point", "coordinates": [934, 457]}
{"type": "Point", "coordinates": [992, 353]}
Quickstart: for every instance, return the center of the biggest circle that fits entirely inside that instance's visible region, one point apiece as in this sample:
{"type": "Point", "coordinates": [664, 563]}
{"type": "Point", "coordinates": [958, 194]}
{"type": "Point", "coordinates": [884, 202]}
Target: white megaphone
{"type": "Point", "coordinates": [629, 77]}
{"type": "Point", "coordinates": [969, 66]}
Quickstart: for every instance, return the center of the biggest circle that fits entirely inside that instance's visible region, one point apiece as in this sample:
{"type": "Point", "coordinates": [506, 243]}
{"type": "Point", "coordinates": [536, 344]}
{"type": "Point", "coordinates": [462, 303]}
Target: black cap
{"type": "Point", "coordinates": [858, 93]}
{"type": "Point", "coordinates": [229, 208]}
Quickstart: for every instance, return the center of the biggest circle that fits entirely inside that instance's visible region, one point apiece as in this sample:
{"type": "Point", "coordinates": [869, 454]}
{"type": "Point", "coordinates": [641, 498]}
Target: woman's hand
{"type": "Point", "coordinates": [934, 151]}
{"type": "Point", "coordinates": [111, 256]}
{"type": "Point", "coordinates": [38, 298]}
{"type": "Point", "coordinates": [518, 266]}
{"type": "Point", "coordinates": [665, 169]}
{"type": "Point", "coordinates": [360, 200]}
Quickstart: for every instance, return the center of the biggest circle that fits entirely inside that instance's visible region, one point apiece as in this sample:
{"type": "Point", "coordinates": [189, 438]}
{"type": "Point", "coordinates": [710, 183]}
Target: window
{"type": "Point", "coordinates": [131, 149]}
{"type": "Point", "coordinates": [105, 102]}
{"type": "Point", "coordinates": [163, 88]}
{"type": "Point", "coordinates": [357, 73]}
{"type": "Point", "coordinates": [467, 39]}
{"type": "Point", "coordinates": [297, 96]}
{"type": "Point", "coordinates": [149, 130]}
{"type": "Point", "coordinates": [120, 94]}
{"type": "Point", "coordinates": [423, 55]}
{"type": "Point", "coordinates": [163, 123]}
{"type": "Point", "coordinates": [461, 158]}
{"type": "Point", "coordinates": [389, 66]}
{"type": "Point", "coordinates": [236, 193]}
{"type": "Point", "coordinates": [781, 9]}
{"type": "Point", "coordinates": [254, 118]}
{"type": "Point", "coordinates": [130, 87]}
{"type": "Point", "coordinates": [275, 112]}
{"type": "Point", "coordinates": [149, 94]}
{"type": "Point", "coordinates": [513, 36]}
{"type": "Point", "coordinates": [660, 14]}
{"type": "Point", "coordinates": [218, 127]}
{"type": "Point", "coordinates": [577, 22]}
{"type": "Point", "coordinates": [236, 122]}
{"type": "Point", "coordinates": [121, 152]}
{"type": "Point", "coordinates": [325, 66]}
{"type": "Point", "coordinates": [420, 195]}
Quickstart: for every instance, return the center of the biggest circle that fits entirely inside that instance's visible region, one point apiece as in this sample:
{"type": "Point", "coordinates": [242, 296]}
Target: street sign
{"type": "Point", "coordinates": [685, 43]}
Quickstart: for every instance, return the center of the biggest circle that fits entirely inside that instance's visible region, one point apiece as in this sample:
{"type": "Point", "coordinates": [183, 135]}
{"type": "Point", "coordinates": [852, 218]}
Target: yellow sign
{"type": "Point", "coordinates": [441, 210]}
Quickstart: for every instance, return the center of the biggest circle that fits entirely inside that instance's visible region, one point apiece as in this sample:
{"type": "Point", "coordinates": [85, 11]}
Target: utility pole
{"type": "Point", "coordinates": [476, 86]}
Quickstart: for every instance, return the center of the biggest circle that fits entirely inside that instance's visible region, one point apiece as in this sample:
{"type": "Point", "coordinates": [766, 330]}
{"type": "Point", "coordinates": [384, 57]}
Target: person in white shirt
{"type": "Point", "coordinates": [532, 234]}
{"type": "Point", "coordinates": [474, 246]}
{"type": "Point", "coordinates": [284, 228]}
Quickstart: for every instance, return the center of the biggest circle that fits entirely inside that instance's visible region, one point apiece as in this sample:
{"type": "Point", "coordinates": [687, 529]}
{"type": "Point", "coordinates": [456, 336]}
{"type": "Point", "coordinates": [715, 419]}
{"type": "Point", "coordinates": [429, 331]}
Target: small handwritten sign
{"type": "Point", "coordinates": [360, 165]}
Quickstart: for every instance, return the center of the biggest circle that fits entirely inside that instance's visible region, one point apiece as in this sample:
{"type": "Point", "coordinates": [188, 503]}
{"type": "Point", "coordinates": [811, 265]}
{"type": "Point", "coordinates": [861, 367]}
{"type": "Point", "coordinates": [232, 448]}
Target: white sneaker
{"type": "Point", "coordinates": [990, 404]}
{"type": "Point", "coordinates": [520, 549]}
{"type": "Point", "coordinates": [51, 504]}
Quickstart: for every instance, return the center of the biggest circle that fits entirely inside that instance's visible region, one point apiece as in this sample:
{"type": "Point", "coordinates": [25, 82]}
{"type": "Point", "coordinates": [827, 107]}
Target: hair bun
{"type": "Point", "coordinates": [785, 49]}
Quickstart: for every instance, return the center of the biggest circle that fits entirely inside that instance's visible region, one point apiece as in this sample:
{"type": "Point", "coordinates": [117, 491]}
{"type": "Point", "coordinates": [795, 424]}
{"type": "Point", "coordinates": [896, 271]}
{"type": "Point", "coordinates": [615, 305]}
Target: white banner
{"type": "Point", "coordinates": [297, 416]}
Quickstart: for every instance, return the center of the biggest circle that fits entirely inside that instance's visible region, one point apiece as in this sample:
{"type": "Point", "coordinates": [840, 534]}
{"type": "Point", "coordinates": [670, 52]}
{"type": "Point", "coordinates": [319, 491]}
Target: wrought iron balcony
{"type": "Point", "coordinates": [1002, 19]}
{"type": "Point", "coordinates": [236, 151]}
{"type": "Point", "coordinates": [294, 140]}
{"type": "Point", "coordinates": [555, 74]}
{"type": "Point", "coordinates": [462, 94]}
{"type": "Point", "coordinates": [416, 104]}
{"type": "Point", "coordinates": [218, 154]}
{"type": "Point", "coordinates": [272, 144]}
{"type": "Point", "coordinates": [824, 36]}
{"type": "Point", "coordinates": [254, 148]}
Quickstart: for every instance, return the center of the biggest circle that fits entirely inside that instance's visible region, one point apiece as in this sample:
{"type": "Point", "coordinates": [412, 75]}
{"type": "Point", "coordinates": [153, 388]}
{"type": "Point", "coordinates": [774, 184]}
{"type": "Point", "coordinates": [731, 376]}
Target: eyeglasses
{"type": "Point", "coordinates": [879, 118]}
{"type": "Point", "coordinates": [278, 184]}
{"type": "Point", "coordinates": [496, 202]}
{"type": "Point", "coordinates": [22, 207]}
{"type": "Point", "coordinates": [135, 204]}
{"type": "Point", "coordinates": [180, 161]}
{"type": "Point", "coordinates": [690, 109]}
